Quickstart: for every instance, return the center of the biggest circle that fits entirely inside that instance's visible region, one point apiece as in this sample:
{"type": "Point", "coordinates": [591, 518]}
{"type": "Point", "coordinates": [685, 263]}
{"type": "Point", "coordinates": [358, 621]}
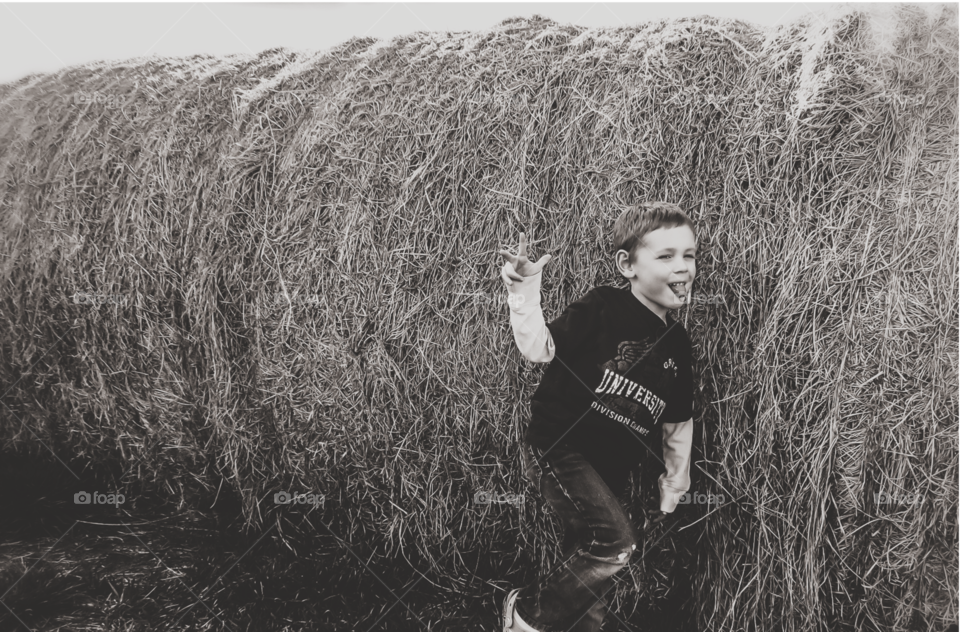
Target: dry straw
{"type": "Point", "coordinates": [304, 250]}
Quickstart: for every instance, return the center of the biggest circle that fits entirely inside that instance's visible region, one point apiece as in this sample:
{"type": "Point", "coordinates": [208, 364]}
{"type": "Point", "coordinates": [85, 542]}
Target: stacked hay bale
{"type": "Point", "coordinates": [280, 271]}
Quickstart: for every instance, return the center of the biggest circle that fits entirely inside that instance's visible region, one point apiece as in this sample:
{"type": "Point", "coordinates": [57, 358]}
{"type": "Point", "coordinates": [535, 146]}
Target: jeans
{"type": "Point", "coordinates": [598, 541]}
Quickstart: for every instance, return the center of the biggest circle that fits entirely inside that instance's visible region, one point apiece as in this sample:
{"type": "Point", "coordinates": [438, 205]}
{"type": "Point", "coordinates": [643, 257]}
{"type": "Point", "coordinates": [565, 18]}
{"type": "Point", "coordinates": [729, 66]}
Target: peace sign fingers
{"type": "Point", "coordinates": [523, 246]}
{"type": "Point", "coordinates": [516, 259]}
{"type": "Point", "coordinates": [520, 263]}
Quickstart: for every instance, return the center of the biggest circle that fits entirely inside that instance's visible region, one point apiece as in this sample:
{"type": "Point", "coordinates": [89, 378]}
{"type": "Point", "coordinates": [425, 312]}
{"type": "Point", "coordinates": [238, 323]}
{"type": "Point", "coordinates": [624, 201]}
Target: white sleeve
{"type": "Point", "coordinates": [526, 317]}
{"type": "Point", "coordinates": [674, 483]}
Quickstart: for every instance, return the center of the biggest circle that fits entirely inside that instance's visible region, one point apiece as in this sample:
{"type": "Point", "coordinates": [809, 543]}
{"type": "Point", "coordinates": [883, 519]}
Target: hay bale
{"type": "Point", "coordinates": [280, 271]}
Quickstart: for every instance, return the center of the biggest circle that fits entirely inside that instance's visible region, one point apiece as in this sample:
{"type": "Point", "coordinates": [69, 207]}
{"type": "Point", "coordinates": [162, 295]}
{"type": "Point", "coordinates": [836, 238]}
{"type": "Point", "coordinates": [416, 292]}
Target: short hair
{"type": "Point", "coordinates": [635, 222]}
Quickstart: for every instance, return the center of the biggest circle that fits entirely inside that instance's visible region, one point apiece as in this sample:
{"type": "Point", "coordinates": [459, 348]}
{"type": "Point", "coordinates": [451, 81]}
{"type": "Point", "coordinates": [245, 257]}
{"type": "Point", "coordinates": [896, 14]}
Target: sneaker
{"type": "Point", "coordinates": [511, 620]}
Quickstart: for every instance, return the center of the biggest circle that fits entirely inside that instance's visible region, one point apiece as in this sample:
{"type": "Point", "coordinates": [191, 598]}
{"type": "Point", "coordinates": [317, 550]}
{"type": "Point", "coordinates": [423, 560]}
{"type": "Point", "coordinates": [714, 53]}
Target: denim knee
{"type": "Point", "coordinates": [618, 549]}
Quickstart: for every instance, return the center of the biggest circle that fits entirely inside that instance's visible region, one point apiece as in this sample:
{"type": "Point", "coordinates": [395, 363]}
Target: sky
{"type": "Point", "coordinates": [45, 37]}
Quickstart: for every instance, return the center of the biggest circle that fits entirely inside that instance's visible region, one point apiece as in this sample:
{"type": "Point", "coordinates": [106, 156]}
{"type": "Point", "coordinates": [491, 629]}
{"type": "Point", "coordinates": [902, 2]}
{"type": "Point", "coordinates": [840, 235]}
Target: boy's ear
{"type": "Point", "coordinates": [622, 258]}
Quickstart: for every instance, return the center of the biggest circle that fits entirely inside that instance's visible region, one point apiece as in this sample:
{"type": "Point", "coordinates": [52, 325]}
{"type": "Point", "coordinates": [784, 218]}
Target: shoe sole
{"type": "Point", "coordinates": [509, 603]}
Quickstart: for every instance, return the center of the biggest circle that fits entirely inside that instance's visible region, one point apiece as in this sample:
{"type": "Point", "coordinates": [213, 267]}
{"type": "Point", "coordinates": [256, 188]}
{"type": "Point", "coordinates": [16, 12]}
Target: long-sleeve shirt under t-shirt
{"type": "Point", "coordinates": [619, 378]}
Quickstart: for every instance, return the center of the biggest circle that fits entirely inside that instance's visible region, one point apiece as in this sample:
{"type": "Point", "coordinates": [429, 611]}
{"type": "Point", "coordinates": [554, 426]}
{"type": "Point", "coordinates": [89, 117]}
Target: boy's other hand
{"type": "Point", "coordinates": [653, 518]}
{"type": "Point", "coordinates": [518, 266]}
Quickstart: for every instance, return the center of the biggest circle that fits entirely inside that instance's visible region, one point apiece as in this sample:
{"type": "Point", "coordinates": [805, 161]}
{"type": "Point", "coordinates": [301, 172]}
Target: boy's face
{"type": "Point", "coordinates": [665, 266]}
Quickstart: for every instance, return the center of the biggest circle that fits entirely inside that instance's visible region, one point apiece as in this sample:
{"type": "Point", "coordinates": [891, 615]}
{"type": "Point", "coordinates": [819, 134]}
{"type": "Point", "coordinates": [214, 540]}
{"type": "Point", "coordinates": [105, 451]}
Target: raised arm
{"type": "Point", "coordinates": [526, 317]}
{"type": "Point", "coordinates": [522, 279]}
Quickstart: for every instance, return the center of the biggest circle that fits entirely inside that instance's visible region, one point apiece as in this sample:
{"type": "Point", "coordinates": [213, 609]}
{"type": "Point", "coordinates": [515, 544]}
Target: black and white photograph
{"type": "Point", "coordinates": [479, 317]}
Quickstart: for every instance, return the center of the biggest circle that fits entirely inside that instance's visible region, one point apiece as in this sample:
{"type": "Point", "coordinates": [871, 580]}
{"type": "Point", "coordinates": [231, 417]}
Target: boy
{"type": "Point", "coordinates": [619, 377]}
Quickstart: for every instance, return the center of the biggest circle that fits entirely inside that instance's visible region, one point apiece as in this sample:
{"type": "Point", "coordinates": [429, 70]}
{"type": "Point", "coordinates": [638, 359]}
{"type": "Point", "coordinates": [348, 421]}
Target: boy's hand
{"type": "Point", "coordinates": [518, 266]}
{"type": "Point", "coordinates": [653, 518]}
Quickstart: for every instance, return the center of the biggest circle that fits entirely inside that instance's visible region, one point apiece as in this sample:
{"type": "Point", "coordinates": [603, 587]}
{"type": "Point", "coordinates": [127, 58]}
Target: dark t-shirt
{"type": "Point", "coordinates": [618, 374]}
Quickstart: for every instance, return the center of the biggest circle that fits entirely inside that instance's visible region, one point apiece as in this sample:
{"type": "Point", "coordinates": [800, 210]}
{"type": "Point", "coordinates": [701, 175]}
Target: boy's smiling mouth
{"type": "Point", "coordinates": [679, 288]}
